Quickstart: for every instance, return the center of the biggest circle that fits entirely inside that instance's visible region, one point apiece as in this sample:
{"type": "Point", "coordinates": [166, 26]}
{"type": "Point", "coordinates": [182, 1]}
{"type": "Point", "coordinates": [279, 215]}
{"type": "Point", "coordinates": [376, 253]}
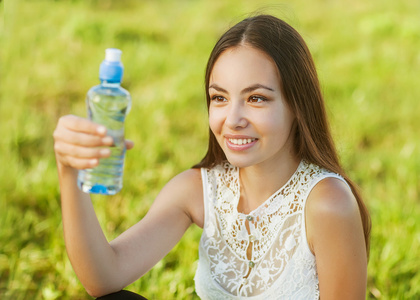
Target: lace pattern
{"type": "Point", "coordinates": [261, 255]}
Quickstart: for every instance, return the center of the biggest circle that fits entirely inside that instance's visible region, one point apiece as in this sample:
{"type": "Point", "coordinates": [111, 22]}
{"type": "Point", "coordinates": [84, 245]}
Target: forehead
{"type": "Point", "coordinates": [247, 65]}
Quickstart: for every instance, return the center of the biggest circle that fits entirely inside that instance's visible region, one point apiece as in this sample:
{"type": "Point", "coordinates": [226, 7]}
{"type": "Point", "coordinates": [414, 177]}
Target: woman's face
{"type": "Point", "coordinates": [248, 114]}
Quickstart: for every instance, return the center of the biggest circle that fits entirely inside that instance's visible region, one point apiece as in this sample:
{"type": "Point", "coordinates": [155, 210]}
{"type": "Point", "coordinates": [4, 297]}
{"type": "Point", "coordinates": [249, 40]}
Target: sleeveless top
{"type": "Point", "coordinates": [281, 265]}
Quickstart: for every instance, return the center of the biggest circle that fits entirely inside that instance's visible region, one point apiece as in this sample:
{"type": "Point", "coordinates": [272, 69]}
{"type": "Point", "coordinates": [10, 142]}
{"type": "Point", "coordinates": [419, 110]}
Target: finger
{"type": "Point", "coordinates": [81, 139]}
{"type": "Point", "coordinates": [72, 150]}
{"type": "Point", "coordinates": [129, 144]}
{"type": "Point", "coordinates": [82, 163]}
{"type": "Point", "coordinates": [79, 124]}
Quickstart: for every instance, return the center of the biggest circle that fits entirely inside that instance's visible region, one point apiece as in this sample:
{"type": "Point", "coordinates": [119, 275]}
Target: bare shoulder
{"type": "Point", "coordinates": [335, 236]}
{"type": "Point", "coordinates": [331, 197]}
{"type": "Point", "coordinates": [186, 190]}
{"type": "Point", "coordinates": [186, 183]}
{"type": "Point", "coordinates": [331, 210]}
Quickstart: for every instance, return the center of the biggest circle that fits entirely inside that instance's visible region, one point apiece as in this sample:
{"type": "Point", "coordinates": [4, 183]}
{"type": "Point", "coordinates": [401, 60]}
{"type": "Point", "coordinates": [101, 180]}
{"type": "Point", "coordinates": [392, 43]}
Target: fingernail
{"type": "Point", "coordinates": [101, 129]}
{"type": "Point", "coordinates": [93, 162]}
{"type": "Point", "coordinates": [108, 140]}
{"type": "Point", "coordinates": [104, 152]}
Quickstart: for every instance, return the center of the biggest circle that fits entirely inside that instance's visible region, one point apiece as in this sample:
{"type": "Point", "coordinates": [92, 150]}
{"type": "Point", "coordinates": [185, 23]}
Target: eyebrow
{"type": "Point", "coordinates": [245, 90]}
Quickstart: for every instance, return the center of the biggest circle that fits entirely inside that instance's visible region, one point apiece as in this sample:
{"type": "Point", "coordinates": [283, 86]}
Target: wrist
{"type": "Point", "coordinates": [65, 170]}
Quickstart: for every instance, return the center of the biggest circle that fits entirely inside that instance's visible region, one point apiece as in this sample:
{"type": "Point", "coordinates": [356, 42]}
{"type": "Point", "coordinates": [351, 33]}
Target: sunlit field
{"type": "Point", "coordinates": [368, 58]}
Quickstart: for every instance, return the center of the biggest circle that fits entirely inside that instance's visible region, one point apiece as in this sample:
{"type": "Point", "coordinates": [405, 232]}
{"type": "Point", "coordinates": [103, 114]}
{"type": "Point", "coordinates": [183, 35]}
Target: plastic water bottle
{"type": "Point", "coordinates": [108, 104]}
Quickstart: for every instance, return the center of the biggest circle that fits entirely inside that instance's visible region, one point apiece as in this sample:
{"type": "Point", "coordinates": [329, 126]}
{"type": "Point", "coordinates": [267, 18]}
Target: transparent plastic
{"type": "Point", "coordinates": [108, 104]}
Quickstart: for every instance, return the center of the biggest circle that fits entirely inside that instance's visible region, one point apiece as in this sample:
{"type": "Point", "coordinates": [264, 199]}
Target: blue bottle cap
{"type": "Point", "coordinates": [111, 69]}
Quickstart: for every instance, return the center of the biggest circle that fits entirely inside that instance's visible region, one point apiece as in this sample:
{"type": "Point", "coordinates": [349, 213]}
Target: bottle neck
{"type": "Point", "coordinates": [110, 83]}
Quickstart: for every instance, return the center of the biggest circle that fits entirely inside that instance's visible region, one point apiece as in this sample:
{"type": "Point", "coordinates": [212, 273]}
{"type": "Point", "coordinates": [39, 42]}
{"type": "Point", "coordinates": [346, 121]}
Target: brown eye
{"type": "Point", "coordinates": [257, 99]}
{"type": "Point", "coordinates": [217, 98]}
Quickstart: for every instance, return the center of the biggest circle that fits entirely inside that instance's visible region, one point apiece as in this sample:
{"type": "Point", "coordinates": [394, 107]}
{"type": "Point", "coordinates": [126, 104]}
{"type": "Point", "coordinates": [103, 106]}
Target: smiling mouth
{"type": "Point", "coordinates": [241, 141]}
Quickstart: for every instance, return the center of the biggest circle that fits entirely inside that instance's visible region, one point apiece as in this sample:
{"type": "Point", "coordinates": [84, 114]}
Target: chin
{"type": "Point", "coordinates": [240, 163]}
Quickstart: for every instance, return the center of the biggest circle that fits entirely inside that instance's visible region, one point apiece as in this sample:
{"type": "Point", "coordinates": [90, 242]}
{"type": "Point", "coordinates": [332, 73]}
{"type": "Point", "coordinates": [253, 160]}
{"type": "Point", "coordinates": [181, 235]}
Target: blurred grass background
{"type": "Point", "coordinates": [368, 58]}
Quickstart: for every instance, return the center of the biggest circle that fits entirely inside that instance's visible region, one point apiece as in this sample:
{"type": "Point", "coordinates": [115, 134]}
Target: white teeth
{"type": "Point", "coordinates": [241, 141]}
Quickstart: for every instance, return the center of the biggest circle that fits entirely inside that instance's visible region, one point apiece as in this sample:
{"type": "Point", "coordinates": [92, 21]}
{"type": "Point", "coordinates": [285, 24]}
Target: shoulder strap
{"type": "Point", "coordinates": [205, 183]}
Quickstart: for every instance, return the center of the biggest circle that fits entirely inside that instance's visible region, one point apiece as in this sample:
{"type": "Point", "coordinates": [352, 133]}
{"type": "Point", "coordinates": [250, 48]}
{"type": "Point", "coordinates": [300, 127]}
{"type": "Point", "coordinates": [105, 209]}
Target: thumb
{"type": "Point", "coordinates": [129, 144]}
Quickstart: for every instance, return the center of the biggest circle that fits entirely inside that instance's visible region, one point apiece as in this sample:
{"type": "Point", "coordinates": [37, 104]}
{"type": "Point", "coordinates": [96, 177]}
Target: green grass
{"type": "Point", "coordinates": [367, 54]}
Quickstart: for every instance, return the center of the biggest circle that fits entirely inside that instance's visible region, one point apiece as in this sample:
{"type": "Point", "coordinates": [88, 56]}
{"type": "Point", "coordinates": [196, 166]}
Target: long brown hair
{"type": "Point", "coordinates": [300, 86]}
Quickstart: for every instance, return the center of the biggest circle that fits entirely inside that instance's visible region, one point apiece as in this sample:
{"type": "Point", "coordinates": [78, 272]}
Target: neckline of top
{"type": "Point", "coordinates": [254, 212]}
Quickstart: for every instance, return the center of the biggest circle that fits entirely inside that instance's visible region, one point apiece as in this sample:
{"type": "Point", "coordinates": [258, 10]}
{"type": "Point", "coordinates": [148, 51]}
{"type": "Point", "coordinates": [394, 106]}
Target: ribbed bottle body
{"type": "Point", "coordinates": [108, 105]}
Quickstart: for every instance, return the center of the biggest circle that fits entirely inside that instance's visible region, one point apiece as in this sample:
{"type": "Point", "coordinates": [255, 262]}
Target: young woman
{"type": "Point", "coordinates": [280, 218]}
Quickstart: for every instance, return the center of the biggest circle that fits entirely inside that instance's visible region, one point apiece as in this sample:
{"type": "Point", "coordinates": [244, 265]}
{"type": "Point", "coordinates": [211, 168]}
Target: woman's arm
{"type": "Point", "coordinates": [335, 235]}
{"type": "Point", "coordinates": [104, 267]}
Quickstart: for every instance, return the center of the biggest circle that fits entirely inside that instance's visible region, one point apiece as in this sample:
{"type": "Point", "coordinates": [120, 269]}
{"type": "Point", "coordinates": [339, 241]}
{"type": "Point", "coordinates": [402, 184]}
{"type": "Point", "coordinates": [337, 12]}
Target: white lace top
{"type": "Point", "coordinates": [279, 263]}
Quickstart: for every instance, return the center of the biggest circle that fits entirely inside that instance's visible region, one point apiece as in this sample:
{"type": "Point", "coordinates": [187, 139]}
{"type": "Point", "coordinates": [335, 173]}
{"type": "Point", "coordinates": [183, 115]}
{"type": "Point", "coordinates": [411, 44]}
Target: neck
{"type": "Point", "coordinates": [110, 83]}
{"type": "Point", "coordinates": [258, 183]}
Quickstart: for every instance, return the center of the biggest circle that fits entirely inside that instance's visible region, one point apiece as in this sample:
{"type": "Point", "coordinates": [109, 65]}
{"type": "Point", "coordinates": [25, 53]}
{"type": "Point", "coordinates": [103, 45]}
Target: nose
{"type": "Point", "coordinates": [236, 116]}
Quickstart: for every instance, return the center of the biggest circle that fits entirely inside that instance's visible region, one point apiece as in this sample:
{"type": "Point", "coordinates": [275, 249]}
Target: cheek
{"type": "Point", "coordinates": [268, 122]}
{"type": "Point", "coordinates": [275, 124]}
{"type": "Point", "coordinates": [215, 121]}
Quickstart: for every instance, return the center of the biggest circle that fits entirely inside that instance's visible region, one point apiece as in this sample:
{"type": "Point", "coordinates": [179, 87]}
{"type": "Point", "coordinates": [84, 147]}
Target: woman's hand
{"type": "Point", "coordinates": [79, 143]}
